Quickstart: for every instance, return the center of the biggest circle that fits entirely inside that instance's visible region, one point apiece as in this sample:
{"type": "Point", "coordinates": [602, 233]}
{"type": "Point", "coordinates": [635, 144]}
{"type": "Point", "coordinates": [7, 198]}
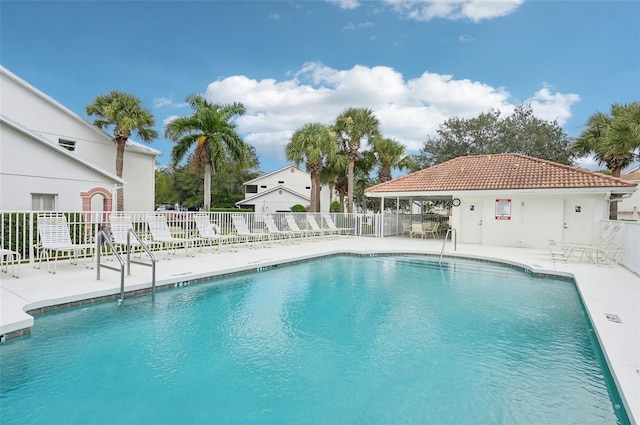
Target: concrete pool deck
{"type": "Point", "coordinates": [608, 292]}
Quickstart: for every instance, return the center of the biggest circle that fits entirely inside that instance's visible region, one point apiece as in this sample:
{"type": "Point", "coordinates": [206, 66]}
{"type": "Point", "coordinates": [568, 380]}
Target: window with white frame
{"type": "Point", "coordinates": [43, 202]}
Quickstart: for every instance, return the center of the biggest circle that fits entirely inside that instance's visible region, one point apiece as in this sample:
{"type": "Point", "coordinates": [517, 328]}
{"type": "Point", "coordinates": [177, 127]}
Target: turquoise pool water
{"type": "Point", "coordinates": [359, 340]}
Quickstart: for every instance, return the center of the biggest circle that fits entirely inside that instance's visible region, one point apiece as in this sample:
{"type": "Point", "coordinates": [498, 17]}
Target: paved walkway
{"type": "Point", "coordinates": [605, 290]}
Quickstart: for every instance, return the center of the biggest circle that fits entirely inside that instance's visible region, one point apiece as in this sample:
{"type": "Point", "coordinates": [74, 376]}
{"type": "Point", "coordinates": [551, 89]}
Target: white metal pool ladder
{"type": "Point", "coordinates": [454, 238]}
{"type": "Point", "coordinates": [102, 236]}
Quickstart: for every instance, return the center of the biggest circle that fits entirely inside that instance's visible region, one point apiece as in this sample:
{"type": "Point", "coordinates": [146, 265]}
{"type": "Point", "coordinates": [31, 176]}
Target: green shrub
{"type": "Point", "coordinates": [298, 208]}
{"type": "Point", "coordinates": [335, 207]}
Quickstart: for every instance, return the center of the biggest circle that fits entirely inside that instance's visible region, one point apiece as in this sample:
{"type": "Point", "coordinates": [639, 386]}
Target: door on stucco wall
{"type": "Point", "coordinates": [471, 221]}
{"type": "Point", "coordinates": [577, 222]}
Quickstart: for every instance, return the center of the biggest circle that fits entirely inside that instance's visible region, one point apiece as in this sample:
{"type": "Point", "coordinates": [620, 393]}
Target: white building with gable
{"type": "Point", "coordinates": [282, 189]}
{"type": "Point", "coordinates": [53, 159]}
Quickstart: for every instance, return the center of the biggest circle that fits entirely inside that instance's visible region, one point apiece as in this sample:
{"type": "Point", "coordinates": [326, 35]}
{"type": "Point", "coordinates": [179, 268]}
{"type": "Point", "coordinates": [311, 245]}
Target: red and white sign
{"type": "Point", "coordinates": [503, 209]}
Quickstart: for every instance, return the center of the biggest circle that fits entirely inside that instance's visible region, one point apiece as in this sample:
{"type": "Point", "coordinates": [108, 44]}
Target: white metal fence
{"type": "Point", "coordinates": [19, 231]}
{"type": "Point", "coordinates": [629, 239]}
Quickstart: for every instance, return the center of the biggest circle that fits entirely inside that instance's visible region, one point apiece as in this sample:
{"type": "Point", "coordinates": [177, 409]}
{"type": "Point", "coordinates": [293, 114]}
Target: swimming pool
{"type": "Point", "coordinates": [342, 339]}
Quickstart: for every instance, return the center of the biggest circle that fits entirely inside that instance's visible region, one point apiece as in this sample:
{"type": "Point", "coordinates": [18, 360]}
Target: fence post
{"type": "Point", "coordinates": [31, 250]}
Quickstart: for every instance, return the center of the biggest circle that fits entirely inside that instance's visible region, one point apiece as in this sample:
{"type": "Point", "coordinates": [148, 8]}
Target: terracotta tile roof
{"type": "Point", "coordinates": [496, 172]}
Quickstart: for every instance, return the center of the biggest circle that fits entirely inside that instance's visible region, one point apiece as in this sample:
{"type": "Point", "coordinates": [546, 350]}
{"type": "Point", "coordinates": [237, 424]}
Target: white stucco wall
{"type": "Point", "coordinates": [28, 167]}
{"type": "Point", "coordinates": [629, 208]}
{"type": "Point", "coordinates": [32, 110]}
{"type": "Point", "coordinates": [535, 218]}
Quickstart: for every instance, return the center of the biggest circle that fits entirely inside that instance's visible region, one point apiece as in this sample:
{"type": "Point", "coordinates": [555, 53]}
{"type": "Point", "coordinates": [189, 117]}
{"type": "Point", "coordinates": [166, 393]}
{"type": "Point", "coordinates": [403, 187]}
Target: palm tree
{"type": "Point", "coordinates": [126, 114]}
{"type": "Point", "coordinates": [313, 143]}
{"type": "Point", "coordinates": [214, 134]}
{"type": "Point", "coordinates": [389, 154]}
{"type": "Point", "coordinates": [353, 125]}
{"type": "Point", "coordinates": [334, 173]}
{"type": "Point", "coordinates": [613, 139]}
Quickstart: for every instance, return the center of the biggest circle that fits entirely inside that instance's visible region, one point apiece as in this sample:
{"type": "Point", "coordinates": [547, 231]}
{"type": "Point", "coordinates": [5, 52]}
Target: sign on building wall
{"type": "Point", "coordinates": [503, 209]}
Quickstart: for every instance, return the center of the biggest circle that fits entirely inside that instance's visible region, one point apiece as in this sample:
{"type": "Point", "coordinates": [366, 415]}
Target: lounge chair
{"type": "Point", "coordinates": [8, 257]}
{"type": "Point", "coordinates": [245, 234]}
{"type": "Point", "coordinates": [55, 239]}
{"type": "Point", "coordinates": [601, 250]}
{"type": "Point", "coordinates": [272, 229]}
{"type": "Point", "coordinates": [161, 234]}
{"type": "Point", "coordinates": [316, 228]}
{"type": "Point", "coordinates": [338, 230]}
{"type": "Point", "coordinates": [292, 224]}
{"type": "Point", "coordinates": [119, 226]}
{"type": "Point", "coordinates": [210, 233]}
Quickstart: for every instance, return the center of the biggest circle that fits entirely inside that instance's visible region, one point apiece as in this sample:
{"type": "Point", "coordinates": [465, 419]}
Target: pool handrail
{"type": "Point", "coordinates": [454, 238]}
{"type": "Point", "coordinates": [102, 237]}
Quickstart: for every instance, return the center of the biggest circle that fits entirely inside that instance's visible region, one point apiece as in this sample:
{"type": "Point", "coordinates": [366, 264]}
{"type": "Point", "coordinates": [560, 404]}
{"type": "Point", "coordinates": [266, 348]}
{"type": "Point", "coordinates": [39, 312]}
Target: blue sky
{"type": "Point", "coordinates": [414, 63]}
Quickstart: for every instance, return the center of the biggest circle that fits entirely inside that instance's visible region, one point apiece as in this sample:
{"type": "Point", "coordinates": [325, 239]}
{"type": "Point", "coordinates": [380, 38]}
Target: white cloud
{"type": "Point", "coordinates": [159, 102]}
{"type": "Point", "coordinates": [346, 4]}
{"type": "Point", "coordinates": [464, 38]}
{"type": "Point", "coordinates": [552, 106]}
{"type": "Point", "coordinates": [168, 119]}
{"type": "Point", "coordinates": [274, 16]}
{"type": "Point", "coordinates": [408, 110]}
{"type": "Point", "coordinates": [351, 26]}
{"type": "Point", "coordinates": [162, 102]}
{"type": "Point", "coordinates": [474, 10]}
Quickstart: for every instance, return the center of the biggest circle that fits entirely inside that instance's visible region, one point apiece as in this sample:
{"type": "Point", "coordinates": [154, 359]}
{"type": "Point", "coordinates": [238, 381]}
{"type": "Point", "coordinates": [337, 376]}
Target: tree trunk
{"type": "Point", "coordinates": [207, 188]}
{"type": "Point", "coordinates": [352, 163]}
{"type": "Point", "coordinates": [613, 206]}
{"type": "Point", "coordinates": [315, 192]}
{"type": "Point", "coordinates": [331, 189]}
{"type": "Point", "coordinates": [120, 144]}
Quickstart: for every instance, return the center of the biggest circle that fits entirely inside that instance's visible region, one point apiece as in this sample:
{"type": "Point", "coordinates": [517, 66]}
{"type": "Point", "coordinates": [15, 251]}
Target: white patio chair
{"type": "Point", "coordinates": [339, 230]}
{"type": "Point", "coordinates": [316, 228]}
{"type": "Point", "coordinates": [431, 228]}
{"type": "Point", "coordinates": [8, 257]}
{"type": "Point", "coordinates": [292, 224]}
{"type": "Point", "coordinates": [406, 227]}
{"type": "Point", "coordinates": [210, 233]}
{"type": "Point", "coordinates": [272, 228]}
{"type": "Point", "coordinates": [601, 250]}
{"type": "Point", "coordinates": [245, 234]}
{"type": "Point", "coordinates": [55, 239]}
{"type": "Point", "coordinates": [417, 229]}
{"type": "Point", "coordinates": [119, 226]}
{"type": "Point", "coordinates": [161, 234]}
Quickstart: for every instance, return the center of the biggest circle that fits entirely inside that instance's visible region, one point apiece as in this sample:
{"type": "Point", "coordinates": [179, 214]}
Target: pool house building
{"type": "Point", "coordinates": [509, 200]}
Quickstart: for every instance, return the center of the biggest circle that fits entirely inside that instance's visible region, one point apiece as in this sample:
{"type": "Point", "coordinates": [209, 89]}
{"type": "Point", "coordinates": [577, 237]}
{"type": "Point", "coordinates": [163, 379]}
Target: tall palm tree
{"type": "Point", "coordinates": [351, 127]}
{"type": "Point", "coordinates": [211, 130]}
{"type": "Point", "coordinates": [334, 173]}
{"type": "Point", "coordinates": [126, 114]}
{"type": "Point", "coordinates": [389, 154]}
{"type": "Point", "coordinates": [314, 144]}
{"type": "Point", "coordinates": [613, 139]}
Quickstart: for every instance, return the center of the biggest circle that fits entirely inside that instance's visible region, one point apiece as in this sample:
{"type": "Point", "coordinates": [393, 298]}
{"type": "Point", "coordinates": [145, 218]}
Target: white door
{"type": "Point", "coordinates": [577, 220]}
{"type": "Point", "coordinates": [471, 221]}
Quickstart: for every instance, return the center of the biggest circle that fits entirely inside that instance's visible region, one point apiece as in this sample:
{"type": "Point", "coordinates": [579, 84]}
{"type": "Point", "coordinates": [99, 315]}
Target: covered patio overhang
{"type": "Point", "coordinates": [413, 197]}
